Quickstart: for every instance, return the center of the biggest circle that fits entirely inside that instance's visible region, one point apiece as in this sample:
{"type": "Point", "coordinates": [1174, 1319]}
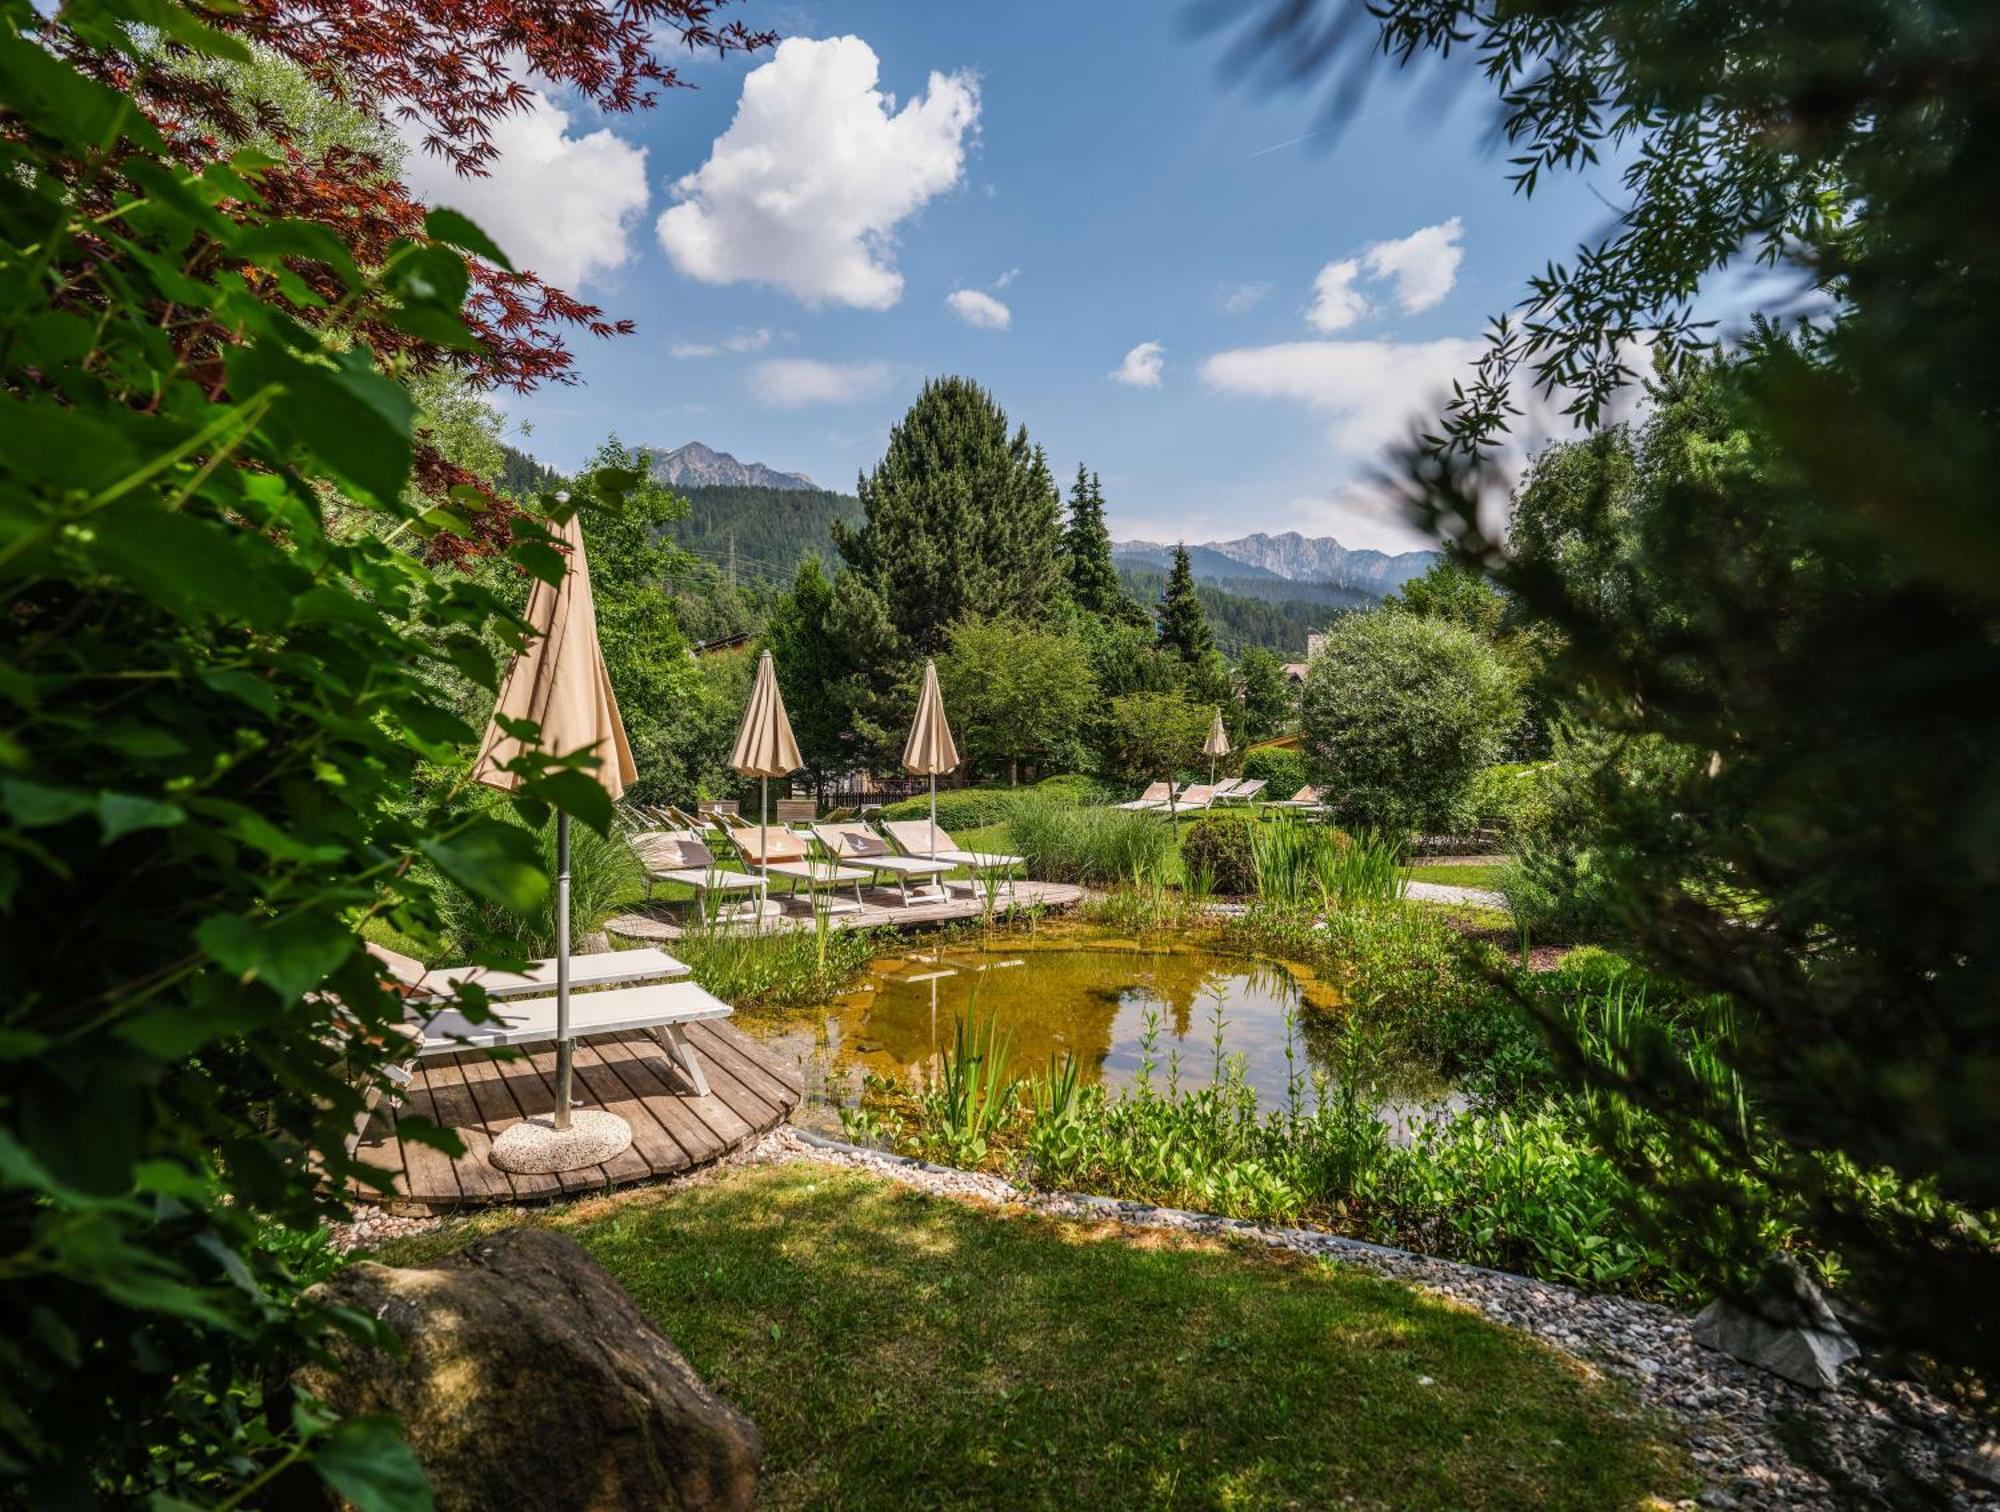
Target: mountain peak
{"type": "Point", "coordinates": [697, 466]}
{"type": "Point", "coordinates": [1300, 558]}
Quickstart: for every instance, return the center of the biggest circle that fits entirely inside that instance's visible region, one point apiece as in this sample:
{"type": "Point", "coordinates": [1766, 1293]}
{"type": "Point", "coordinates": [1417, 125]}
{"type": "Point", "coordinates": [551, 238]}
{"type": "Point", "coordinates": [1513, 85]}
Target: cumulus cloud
{"type": "Point", "coordinates": [979, 309]}
{"type": "Point", "coordinates": [806, 188]}
{"type": "Point", "coordinates": [794, 382]}
{"type": "Point", "coordinates": [1370, 390]}
{"type": "Point", "coordinates": [1142, 365]}
{"type": "Point", "coordinates": [1239, 299]}
{"type": "Point", "coordinates": [1337, 304]}
{"type": "Point", "coordinates": [560, 206]}
{"type": "Point", "coordinates": [742, 341]}
{"type": "Point", "coordinates": [1424, 264]}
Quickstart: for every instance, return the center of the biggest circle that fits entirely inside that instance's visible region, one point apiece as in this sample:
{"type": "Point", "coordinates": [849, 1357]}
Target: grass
{"type": "Point", "coordinates": [1461, 874]}
{"type": "Point", "coordinates": [898, 1349]}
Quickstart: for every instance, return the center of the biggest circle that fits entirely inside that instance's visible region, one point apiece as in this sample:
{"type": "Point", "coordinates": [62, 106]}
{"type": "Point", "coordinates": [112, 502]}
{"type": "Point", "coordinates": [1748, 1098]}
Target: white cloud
{"type": "Point", "coordinates": [1006, 278]}
{"type": "Point", "coordinates": [1424, 264]}
{"type": "Point", "coordinates": [793, 382]}
{"type": "Point", "coordinates": [560, 206]}
{"type": "Point", "coordinates": [1372, 390]}
{"type": "Point", "coordinates": [1337, 304]}
{"type": "Point", "coordinates": [979, 309]}
{"type": "Point", "coordinates": [742, 341]}
{"type": "Point", "coordinates": [806, 188]}
{"type": "Point", "coordinates": [1239, 299]}
{"type": "Point", "coordinates": [1142, 365]}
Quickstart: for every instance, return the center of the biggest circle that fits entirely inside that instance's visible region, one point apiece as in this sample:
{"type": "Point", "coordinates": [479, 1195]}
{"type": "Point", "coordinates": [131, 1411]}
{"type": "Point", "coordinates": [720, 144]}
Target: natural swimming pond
{"type": "Point", "coordinates": [1094, 1000]}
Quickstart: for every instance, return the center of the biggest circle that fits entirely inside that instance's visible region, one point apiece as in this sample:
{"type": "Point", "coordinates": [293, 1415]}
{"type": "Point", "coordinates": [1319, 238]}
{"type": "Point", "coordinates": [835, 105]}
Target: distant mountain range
{"type": "Point", "coordinates": [698, 466]}
{"type": "Point", "coordinates": [1289, 558]}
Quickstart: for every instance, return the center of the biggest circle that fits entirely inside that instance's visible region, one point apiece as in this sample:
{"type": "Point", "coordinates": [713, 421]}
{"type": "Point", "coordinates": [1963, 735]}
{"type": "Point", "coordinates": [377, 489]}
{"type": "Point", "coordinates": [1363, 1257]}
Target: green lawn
{"type": "Point", "coordinates": [1461, 874]}
{"type": "Point", "coordinates": [898, 1350]}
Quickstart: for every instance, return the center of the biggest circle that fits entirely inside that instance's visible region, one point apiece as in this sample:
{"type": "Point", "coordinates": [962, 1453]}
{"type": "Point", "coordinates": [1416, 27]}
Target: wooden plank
{"type": "Point", "coordinates": [532, 1080]}
{"type": "Point", "coordinates": [486, 1080]}
{"type": "Point", "coordinates": [718, 1049]}
{"type": "Point", "coordinates": [381, 1148]}
{"type": "Point", "coordinates": [432, 1178]}
{"type": "Point", "coordinates": [788, 1073]}
{"type": "Point", "coordinates": [730, 1103]}
{"type": "Point", "coordinates": [599, 1086]}
{"type": "Point", "coordinates": [643, 1066]}
{"type": "Point", "coordinates": [478, 1177]}
{"type": "Point", "coordinates": [682, 1140]}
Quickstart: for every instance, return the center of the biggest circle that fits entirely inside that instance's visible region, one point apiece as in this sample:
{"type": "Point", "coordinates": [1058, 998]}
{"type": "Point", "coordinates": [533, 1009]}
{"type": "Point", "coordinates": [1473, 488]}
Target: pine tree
{"type": "Point", "coordinates": [1183, 622]}
{"type": "Point", "coordinates": [1093, 579]}
{"type": "Point", "coordinates": [959, 519]}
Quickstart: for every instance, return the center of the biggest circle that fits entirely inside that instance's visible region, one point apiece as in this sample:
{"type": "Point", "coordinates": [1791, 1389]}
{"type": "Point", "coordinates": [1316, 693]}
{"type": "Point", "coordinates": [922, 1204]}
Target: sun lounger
{"type": "Point", "coordinates": [780, 853]}
{"type": "Point", "coordinates": [1306, 798]}
{"type": "Point", "coordinates": [602, 968]}
{"type": "Point", "coordinates": [858, 845]}
{"type": "Point", "coordinates": [1240, 790]}
{"type": "Point", "coordinates": [1154, 797]}
{"type": "Point", "coordinates": [921, 839]}
{"type": "Point", "coordinates": [1191, 799]}
{"type": "Point", "coordinates": [681, 855]}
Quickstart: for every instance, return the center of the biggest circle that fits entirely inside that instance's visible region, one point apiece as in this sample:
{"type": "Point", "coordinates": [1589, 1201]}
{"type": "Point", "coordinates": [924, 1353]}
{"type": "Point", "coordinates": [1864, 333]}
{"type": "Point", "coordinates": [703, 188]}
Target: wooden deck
{"type": "Point", "coordinates": [750, 1092]}
{"type": "Point", "coordinates": [882, 907]}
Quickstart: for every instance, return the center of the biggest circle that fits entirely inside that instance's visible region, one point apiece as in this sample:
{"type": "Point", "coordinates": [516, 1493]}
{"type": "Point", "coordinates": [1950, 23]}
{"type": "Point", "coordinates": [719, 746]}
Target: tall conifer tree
{"type": "Point", "coordinates": [1093, 578]}
{"type": "Point", "coordinates": [959, 519]}
{"type": "Point", "coordinates": [1183, 622]}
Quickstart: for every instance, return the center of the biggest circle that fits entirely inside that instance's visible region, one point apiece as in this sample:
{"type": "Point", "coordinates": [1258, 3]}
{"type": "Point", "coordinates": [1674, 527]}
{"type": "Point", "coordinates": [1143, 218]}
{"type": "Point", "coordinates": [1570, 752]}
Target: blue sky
{"type": "Point", "coordinates": [1084, 169]}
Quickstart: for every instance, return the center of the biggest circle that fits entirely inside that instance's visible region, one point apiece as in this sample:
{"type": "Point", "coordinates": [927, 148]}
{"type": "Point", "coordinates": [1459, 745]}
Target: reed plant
{"type": "Point", "coordinates": [975, 1091]}
{"type": "Point", "coordinates": [1062, 841]}
{"type": "Point", "coordinates": [780, 968]}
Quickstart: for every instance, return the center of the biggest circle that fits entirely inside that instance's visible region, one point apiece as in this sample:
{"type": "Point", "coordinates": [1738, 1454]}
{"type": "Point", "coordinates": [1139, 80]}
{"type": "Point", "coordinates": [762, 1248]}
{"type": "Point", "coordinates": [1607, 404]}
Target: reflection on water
{"type": "Point", "coordinates": [1090, 1002]}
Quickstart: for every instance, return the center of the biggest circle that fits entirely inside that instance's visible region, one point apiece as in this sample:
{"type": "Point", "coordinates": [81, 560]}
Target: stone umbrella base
{"type": "Point", "coordinates": [536, 1146]}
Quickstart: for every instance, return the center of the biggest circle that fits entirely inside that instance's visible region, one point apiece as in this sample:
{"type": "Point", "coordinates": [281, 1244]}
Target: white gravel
{"type": "Point", "coordinates": [1444, 892]}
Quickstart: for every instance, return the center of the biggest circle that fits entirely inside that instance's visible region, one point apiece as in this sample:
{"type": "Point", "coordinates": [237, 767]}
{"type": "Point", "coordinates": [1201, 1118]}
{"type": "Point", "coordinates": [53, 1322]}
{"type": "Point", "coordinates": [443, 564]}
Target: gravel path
{"type": "Point", "coordinates": [1444, 892]}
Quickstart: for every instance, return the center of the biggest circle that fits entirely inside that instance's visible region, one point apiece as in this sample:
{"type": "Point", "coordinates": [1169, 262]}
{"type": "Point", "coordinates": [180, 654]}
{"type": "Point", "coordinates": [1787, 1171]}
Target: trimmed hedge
{"type": "Point", "coordinates": [1284, 770]}
{"type": "Point", "coordinates": [974, 807]}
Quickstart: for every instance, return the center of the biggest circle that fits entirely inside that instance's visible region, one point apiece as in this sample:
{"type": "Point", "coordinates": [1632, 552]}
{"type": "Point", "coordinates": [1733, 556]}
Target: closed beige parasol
{"type": "Point", "coordinates": [560, 683]}
{"type": "Point", "coordinates": [765, 747]}
{"type": "Point", "coordinates": [930, 752]}
{"type": "Point", "coordinates": [1216, 746]}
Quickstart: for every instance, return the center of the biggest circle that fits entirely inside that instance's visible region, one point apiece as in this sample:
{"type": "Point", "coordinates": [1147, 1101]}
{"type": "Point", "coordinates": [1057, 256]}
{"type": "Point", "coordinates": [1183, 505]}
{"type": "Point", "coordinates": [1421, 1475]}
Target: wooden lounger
{"type": "Point", "coordinates": [682, 856]}
{"type": "Point", "coordinates": [861, 846]}
{"type": "Point", "coordinates": [924, 840]}
{"type": "Point", "coordinates": [779, 852]}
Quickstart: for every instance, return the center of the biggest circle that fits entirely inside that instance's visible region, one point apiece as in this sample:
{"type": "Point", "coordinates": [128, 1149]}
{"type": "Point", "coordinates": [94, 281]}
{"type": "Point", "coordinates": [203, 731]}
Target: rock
{"type": "Point", "coordinates": [1980, 1464]}
{"type": "Point", "coordinates": [529, 1379]}
{"type": "Point", "coordinates": [597, 942]}
{"type": "Point", "coordinates": [1784, 1326]}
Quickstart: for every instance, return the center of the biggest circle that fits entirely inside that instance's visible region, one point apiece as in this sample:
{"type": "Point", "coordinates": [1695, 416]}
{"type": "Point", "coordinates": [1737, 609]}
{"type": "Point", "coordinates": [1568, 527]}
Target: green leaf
{"type": "Point", "coordinates": [365, 1461]}
{"type": "Point", "coordinates": [545, 562]}
{"type": "Point", "coordinates": [501, 862]}
{"type": "Point", "coordinates": [122, 813]}
{"type": "Point", "coordinates": [456, 230]}
{"type": "Point", "coordinates": [291, 956]}
{"type": "Point", "coordinates": [350, 418]}
{"type": "Point", "coordinates": [575, 793]}
{"type": "Point", "coordinates": [246, 686]}
{"type": "Point", "coordinates": [34, 804]}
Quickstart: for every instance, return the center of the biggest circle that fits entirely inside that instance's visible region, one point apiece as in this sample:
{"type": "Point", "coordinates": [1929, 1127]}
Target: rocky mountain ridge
{"type": "Point", "coordinates": [697, 466]}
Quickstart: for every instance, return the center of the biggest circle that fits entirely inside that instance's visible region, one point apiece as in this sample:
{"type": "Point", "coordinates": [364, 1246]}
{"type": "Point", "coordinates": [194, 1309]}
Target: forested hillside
{"type": "Point", "coordinates": [766, 532]}
{"type": "Point", "coordinates": [1241, 621]}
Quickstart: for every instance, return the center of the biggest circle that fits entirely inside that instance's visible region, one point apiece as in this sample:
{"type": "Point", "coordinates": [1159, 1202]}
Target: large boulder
{"type": "Point", "coordinates": [1785, 1325]}
{"type": "Point", "coordinates": [529, 1379]}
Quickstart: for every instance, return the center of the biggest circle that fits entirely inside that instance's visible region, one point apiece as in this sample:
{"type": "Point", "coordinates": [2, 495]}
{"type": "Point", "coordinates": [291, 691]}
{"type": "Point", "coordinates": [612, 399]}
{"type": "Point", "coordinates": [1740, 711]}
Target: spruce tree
{"type": "Point", "coordinates": [1183, 622]}
{"type": "Point", "coordinates": [959, 519]}
{"type": "Point", "coordinates": [1093, 579]}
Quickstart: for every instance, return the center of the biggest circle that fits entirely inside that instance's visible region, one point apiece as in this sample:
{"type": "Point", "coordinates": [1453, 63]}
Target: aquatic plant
{"type": "Point", "coordinates": [1097, 845]}
{"type": "Point", "coordinates": [974, 1092]}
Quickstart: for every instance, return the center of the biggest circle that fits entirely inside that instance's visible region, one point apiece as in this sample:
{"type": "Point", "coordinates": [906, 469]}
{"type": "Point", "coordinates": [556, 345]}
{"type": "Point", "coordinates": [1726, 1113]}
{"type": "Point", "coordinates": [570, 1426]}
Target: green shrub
{"type": "Point", "coordinates": [1283, 769]}
{"type": "Point", "coordinates": [1401, 714]}
{"type": "Point", "coordinates": [1513, 797]}
{"type": "Point", "coordinates": [1077, 787]}
{"type": "Point", "coordinates": [1222, 848]}
{"type": "Point", "coordinates": [957, 808]}
{"type": "Point", "coordinates": [603, 874]}
{"type": "Point", "coordinates": [1061, 842]}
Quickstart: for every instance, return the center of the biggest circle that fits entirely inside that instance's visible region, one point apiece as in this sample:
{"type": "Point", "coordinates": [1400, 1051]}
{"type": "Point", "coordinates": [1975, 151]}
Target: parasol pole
{"type": "Point", "coordinates": [565, 1051]}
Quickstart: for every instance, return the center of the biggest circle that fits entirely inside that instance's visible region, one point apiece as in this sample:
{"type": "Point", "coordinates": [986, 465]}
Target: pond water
{"type": "Point", "coordinates": [1092, 1000]}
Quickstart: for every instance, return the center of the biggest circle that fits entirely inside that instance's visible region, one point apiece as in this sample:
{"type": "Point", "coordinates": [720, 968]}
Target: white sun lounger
{"type": "Point", "coordinates": [860, 846]}
{"type": "Point", "coordinates": [921, 839]}
{"type": "Point", "coordinates": [1240, 790]}
{"type": "Point", "coordinates": [602, 968]}
{"type": "Point", "coordinates": [1191, 799]}
{"type": "Point", "coordinates": [779, 852]}
{"type": "Point", "coordinates": [1306, 799]}
{"type": "Point", "coordinates": [1154, 797]}
{"type": "Point", "coordinates": [680, 855]}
